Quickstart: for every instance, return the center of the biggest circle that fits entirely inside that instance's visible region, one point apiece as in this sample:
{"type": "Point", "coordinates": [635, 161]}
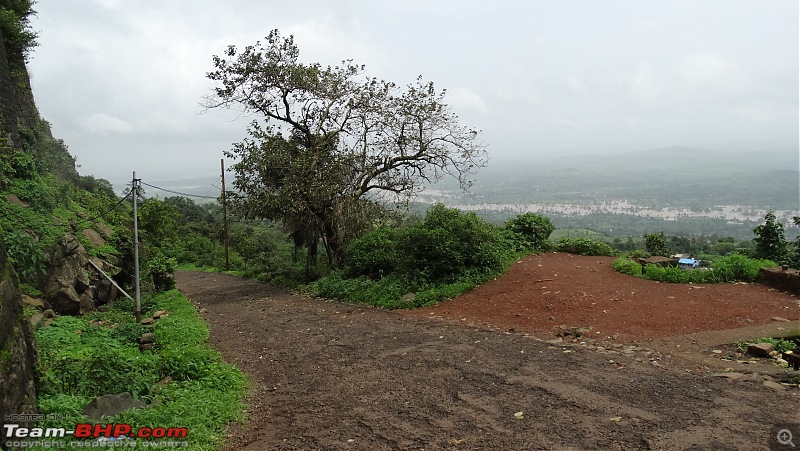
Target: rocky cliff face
{"type": "Point", "coordinates": [17, 109]}
{"type": "Point", "coordinates": [17, 352]}
{"type": "Point", "coordinates": [18, 355]}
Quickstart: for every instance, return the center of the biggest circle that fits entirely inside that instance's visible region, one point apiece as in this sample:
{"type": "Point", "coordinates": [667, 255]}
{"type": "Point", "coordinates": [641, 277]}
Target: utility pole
{"type": "Point", "coordinates": [135, 188]}
{"type": "Point", "coordinates": [225, 215]}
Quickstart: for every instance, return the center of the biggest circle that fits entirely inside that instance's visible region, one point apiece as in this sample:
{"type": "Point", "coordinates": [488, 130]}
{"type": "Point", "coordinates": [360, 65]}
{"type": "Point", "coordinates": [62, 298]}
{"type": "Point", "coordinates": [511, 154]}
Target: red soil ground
{"type": "Point", "coordinates": [541, 292]}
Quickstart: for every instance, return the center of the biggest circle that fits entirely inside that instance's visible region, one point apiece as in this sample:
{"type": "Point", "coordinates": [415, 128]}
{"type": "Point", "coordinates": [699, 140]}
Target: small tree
{"type": "Point", "coordinates": [656, 244]}
{"type": "Point", "coordinates": [770, 240]}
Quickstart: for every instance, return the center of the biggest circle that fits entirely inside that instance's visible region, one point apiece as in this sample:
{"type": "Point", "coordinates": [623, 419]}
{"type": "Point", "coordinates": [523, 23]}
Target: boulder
{"type": "Point", "coordinates": [66, 277]}
{"type": "Point", "coordinates": [93, 237]}
{"type": "Point", "coordinates": [146, 338]}
{"type": "Point", "coordinates": [107, 265]}
{"type": "Point", "coordinates": [17, 201]}
{"type": "Point", "coordinates": [110, 405]}
{"type": "Point", "coordinates": [87, 301]}
{"type": "Point", "coordinates": [66, 301]}
{"type": "Point", "coordinates": [104, 291]}
{"type": "Point", "coordinates": [759, 349]}
{"type": "Point", "coordinates": [105, 230]}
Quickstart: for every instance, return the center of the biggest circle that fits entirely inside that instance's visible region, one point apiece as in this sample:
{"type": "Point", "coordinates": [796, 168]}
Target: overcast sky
{"type": "Point", "coordinates": [121, 80]}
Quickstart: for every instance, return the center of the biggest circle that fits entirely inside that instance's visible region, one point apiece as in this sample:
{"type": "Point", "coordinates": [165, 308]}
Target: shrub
{"type": "Point", "coordinates": [738, 267]}
{"type": "Point", "coordinates": [584, 246]}
{"type": "Point", "coordinates": [162, 271]}
{"type": "Point", "coordinates": [449, 245]}
{"type": "Point", "coordinates": [374, 255]}
{"type": "Point", "coordinates": [530, 230]}
{"type": "Point", "coordinates": [639, 253]}
{"type": "Point", "coordinates": [627, 266]}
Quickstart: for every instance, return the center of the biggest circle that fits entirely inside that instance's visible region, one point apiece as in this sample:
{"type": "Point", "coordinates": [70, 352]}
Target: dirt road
{"type": "Point", "coordinates": [328, 375]}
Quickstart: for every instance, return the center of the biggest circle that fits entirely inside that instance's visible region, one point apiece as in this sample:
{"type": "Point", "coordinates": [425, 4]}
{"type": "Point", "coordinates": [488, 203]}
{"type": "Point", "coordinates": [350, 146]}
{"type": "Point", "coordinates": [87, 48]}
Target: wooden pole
{"type": "Point", "coordinates": [225, 215]}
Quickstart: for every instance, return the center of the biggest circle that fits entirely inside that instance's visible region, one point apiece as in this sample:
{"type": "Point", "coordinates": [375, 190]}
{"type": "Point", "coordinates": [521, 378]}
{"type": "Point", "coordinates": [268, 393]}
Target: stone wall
{"type": "Point", "coordinates": [784, 279]}
{"type": "Point", "coordinates": [17, 352]}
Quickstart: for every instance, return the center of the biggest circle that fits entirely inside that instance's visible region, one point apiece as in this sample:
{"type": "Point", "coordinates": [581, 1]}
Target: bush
{"type": "Point", "coordinates": [162, 271]}
{"type": "Point", "coordinates": [584, 246]}
{"type": "Point", "coordinates": [530, 230]}
{"type": "Point", "coordinates": [627, 266]}
{"type": "Point", "coordinates": [449, 245]}
{"type": "Point", "coordinates": [374, 255]}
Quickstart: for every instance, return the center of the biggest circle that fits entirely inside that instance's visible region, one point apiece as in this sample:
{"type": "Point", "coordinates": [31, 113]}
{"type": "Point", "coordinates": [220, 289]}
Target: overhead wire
{"type": "Point", "coordinates": [102, 215]}
{"type": "Point", "coordinates": [179, 193]}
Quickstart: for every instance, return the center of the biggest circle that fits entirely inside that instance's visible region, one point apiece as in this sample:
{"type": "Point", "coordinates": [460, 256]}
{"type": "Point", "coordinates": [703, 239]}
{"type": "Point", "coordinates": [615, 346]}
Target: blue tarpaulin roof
{"type": "Point", "coordinates": [687, 261]}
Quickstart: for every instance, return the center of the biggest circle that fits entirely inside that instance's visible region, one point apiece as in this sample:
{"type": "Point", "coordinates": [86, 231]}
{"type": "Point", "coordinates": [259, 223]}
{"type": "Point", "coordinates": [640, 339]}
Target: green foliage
{"type": "Point", "coordinates": [656, 244]}
{"type": "Point", "coordinates": [584, 246]}
{"type": "Point", "coordinates": [531, 230]}
{"type": "Point", "coordinates": [374, 255]}
{"type": "Point", "coordinates": [187, 363]}
{"type": "Point", "coordinates": [385, 292]}
{"type": "Point", "coordinates": [738, 267]}
{"type": "Point", "coordinates": [440, 257]}
{"type": "Point", "coordinates": [80, 359]}
{"type": "Point", "coordinates": [725, 269]}
{"type": "Point", "coordinates": [449, 245]}
{"type": "Point", "coordinates": [18, 37]}
{"type": "Point", "coordinates": [639, 253]}
{"type": "Point", "coordinates": [627, 266]}
{"type": "Point", "coordinates": [162, 271]}
{"type": "Point", "coordinates": [26, 254]}
{"type": "Point", "coordinates": [26, 289]}
{"type": "Point", "coordinates": [100, 187]}
{"type": "Point", "coordinates": [673, 274]}
{"type": "Point", "coordinates": [770, 240]}
{"type": "Point", "coordinates": [23, 166]}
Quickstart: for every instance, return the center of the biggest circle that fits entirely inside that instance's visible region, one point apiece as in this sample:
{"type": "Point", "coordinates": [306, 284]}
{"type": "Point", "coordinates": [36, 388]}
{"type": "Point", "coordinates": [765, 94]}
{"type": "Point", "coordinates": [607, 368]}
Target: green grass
{"type": "Point", "coordinates": [184, 380]}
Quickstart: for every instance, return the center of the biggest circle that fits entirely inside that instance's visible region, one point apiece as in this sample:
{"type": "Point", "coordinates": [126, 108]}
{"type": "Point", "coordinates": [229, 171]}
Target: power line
{"type": "Point", "coordinates": [178, 193]}
{"type": "Point", "coordinates": [102, 215]}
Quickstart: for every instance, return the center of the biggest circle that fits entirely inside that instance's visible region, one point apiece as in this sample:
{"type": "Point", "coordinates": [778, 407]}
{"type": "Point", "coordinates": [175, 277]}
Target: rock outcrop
{"type": "Point", "coordinates": [67, 286]}
{"type": "Point", "coordinates": [17, 351]}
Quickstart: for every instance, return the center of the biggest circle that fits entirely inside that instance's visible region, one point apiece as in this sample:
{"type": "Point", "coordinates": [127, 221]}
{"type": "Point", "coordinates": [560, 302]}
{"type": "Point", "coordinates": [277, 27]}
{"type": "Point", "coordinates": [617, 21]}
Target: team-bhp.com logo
{"type": "Point", "coordinates": [92, 431]}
